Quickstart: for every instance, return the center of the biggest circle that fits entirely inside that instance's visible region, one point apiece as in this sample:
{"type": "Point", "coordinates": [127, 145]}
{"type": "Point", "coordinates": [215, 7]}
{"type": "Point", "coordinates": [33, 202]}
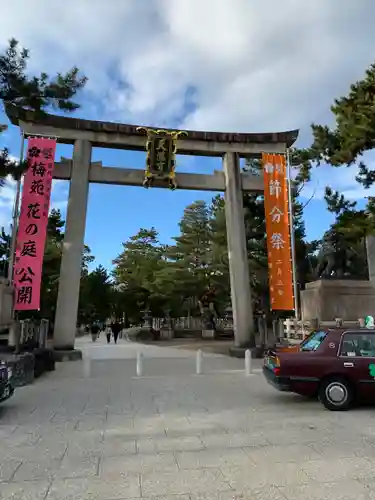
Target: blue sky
{"type": "Point", "coordinates": [117, 212]}
{"type": "Point", "coordinates": [216, 65]}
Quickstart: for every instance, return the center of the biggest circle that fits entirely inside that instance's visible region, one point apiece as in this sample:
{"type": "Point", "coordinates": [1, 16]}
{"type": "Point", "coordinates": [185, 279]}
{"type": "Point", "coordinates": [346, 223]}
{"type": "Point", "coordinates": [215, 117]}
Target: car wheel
{"type": "Point", "coordinates": [336, 394]}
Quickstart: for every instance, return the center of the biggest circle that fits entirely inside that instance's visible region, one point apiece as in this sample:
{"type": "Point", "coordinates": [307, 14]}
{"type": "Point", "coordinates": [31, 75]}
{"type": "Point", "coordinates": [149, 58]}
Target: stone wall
{"type": "Point", "coordinates": [330, 299]}
{"type": "Point", "coordinates": [6, 303]}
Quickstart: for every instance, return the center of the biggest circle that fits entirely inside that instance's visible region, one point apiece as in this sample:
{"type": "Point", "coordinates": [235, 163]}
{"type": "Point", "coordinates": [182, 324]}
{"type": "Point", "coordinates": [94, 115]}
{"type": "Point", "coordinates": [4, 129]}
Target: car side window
{"type": "Point", "coordinates": [358, 344]}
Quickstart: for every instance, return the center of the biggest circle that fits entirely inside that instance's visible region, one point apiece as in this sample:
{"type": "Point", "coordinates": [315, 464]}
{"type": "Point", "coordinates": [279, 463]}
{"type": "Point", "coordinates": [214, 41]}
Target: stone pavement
{"type": "Point", "coordinates": [173, 435]}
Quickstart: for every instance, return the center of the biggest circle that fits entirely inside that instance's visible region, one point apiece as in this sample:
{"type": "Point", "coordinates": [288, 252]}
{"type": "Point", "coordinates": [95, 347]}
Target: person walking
{"type": "Point", "coordinates": [95, 329]}
{"type": "Point", "coordinates": [108, 332]}
{"type": "Point", "coordinates": [116, 329]}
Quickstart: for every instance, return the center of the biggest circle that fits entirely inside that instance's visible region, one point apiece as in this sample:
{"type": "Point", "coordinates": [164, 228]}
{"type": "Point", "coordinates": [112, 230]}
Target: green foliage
{"type": "Point", "coordinates": [136, 266]}
{"type": "Point", "coordinates": [96, 294]}
{"type": "Point", "coordinates": [38, 92]}
{"type": "Point", "coordinates": [355, 124]}
{"type": "Point", "coordinates": [352, 135]}
{"type": "Point", "coordinates": [256, 229]}
{"type": "Point", "coordinates": [191, 251]}
{"type": "Point", "coordinates": [35, 93]}
{"type": "Point", "coordinates": [5, 244]}
{"type": "Point", "coordinates": [93, 294]}
{"type": "Point", "coordinates": [343, 249]}
{"type": "Point", "coordinates": [51, 265]}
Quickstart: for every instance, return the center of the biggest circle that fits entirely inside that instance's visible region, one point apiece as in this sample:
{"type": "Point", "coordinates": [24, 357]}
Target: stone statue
{"type": "Point", "coordinates": [207, 310]}
{"type": "Point", "coordinates": [334, 259]}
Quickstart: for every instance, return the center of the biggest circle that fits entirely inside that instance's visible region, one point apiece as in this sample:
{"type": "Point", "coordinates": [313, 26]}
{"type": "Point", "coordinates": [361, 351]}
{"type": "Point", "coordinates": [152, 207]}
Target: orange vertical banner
{"type": "Point", "coordinates": [276, 205]}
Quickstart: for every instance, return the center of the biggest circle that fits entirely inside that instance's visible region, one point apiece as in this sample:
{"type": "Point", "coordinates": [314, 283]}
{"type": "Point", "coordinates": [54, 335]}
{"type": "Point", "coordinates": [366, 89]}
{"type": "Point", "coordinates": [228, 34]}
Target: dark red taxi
{"type": "Point", "coordinates": [336, 365]}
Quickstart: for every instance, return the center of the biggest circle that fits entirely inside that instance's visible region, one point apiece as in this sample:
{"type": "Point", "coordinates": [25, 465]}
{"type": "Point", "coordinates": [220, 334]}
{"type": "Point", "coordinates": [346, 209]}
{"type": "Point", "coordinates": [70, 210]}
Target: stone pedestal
{"type": "Point", "coordinates": [166, 334]}
{"type": "Point", "coordinates": [370, 250]}
{"type": "Point", "coordinates": [6, 309]}
{"type": "Point", "coordinates": [330, 299]}
{"type": "Point", "coordinates": [67, 355]}
{"type": "Point", "coordinates": [239, 352]}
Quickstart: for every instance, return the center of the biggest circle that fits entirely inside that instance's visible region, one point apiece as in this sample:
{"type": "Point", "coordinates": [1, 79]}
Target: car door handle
{"type": "Point", "coordinates": [349, 365]}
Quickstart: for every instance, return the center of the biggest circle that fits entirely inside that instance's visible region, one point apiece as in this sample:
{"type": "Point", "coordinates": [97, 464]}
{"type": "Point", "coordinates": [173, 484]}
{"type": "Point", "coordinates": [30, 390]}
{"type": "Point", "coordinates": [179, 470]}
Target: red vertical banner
{"type": "Point", "coordinates": [276, 206]}
{"type": "Point", "coordinates": [32, 227]}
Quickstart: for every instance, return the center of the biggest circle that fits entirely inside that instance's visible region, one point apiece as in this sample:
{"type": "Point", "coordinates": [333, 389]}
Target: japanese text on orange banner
{"type": "Point", "coordinates": [276, 205]}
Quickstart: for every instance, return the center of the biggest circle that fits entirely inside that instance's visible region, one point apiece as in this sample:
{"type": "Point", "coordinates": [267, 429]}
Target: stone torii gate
{"type": "Point", "coordinates": [80, 171]}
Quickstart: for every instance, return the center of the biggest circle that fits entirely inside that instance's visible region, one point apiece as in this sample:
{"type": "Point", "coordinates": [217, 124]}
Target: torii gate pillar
{"type": "Point", "coordinates": [85, 134]}
{"type": "Point", "coordinates": [243, 321]}
{"type": "Point", "coordinates": [73, 246]}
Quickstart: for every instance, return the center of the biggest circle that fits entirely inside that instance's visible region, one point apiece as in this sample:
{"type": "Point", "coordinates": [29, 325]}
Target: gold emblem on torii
{"type": "Point", "coordinates": [161, 147]}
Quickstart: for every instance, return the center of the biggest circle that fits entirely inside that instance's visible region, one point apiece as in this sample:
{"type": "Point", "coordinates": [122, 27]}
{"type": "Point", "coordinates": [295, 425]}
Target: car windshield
{"type": "Point", "coordinates": [312, 342]}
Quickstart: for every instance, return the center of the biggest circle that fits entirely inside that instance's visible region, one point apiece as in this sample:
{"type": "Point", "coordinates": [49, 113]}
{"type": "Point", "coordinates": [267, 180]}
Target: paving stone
{"type": "Point", "coordinates": [326, 470]}
{"type": "Point", "coordinates": [22, 438]}
{"type": "Point", "coordinates": [7, 468]}
{"type": "Point", "coordinates": [114, 467]}
{"type": "Point", "coordinates": [50, 449]}
{"type": "Point", "coordinates": [90, 423]}
{"type": "Point", "coordinates": [342, 490]}
{"type": "Point", "coordinates": [95, 489]}
{"type": "Point", "coordinates": [222, 441]}
{"type": "Point", "coordinates": [212, 458]}
{"type": "Point", "coordinates": [291, 453]}
{"type": "Point", "coordinates": [183, 482]}
{"type": "Point", "coordinates": [29, 452]}
{"type": "Point", "coordinates": [39, 468]}
{"type": "Point", "coordinates": [119, 422]}
{"type": "Point", "coordinates": [6, 431]}
{"type": "Point", "coordinates": [366, 449]}
{"type": "Point", "coordinates": [158, 445]}
{"type": "Point", "coordinates": [78, 467]}
{"type": "Point", "coordinates": [335, 448]}
{"type": "Point", "coordinates": [168, 497]}
{"type": "Point", "coordinates": [62, 422]}
{"type": "Point", "coordinates": [279, 437]}
{"type": "Point", "coordinates": [114, 446]}
{"type": "Point", "coordinates": [267, 493]}
{"type": "Point", "coordinates": [177, 436]}
{"type": "Point", "coordinates": [85, 445]}
{"type": "Point", "coordinates": [116, 433]}
{"type": "Point", "coordinates": [27, 490]}
{"type": "Point", "coordinates": [265, 474]}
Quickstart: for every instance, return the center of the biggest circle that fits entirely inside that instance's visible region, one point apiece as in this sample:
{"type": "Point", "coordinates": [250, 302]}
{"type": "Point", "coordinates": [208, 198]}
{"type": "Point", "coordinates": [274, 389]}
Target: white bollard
{"type": "Point", "coordinates": [248, 362]}
{"type": "Point", "coordinates": [139, 364]}
{"type": "Point", "coordinates": [198, 362]}
{"type": "Point", "coordinates": [86, 367]}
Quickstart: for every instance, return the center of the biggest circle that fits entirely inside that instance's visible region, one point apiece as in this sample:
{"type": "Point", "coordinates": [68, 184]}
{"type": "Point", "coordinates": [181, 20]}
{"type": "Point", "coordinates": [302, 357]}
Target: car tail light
{"type": "Point", "coordinates": [276, 370]}
{"type": "Point", "coordinates": [277, 361]}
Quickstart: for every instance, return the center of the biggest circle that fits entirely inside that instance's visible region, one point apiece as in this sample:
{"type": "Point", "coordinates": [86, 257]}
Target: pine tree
{"type": "Point", "coordinates": [191, 251]}
{"type": "Point", "coordinates": [136, 266]}
{"type": "Point", "coordinates": [36, 93]}
{"type": "Point", "coordinates": [95, 303]}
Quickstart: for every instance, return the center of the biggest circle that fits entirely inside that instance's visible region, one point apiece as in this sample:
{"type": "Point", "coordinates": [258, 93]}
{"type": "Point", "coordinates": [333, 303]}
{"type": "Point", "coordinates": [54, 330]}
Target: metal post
{"type": "Point", "coordinates": [15, 216]}
{"type": "Point", "coordinates": [292, 237]}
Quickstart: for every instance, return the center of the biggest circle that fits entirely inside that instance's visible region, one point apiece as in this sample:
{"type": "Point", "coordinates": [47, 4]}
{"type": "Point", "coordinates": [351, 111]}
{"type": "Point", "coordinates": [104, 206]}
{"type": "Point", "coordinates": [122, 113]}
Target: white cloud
{"type": "Point", "coordinates": [254, 66]}
{"type": "Point", "coordinates": [245, 65]}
